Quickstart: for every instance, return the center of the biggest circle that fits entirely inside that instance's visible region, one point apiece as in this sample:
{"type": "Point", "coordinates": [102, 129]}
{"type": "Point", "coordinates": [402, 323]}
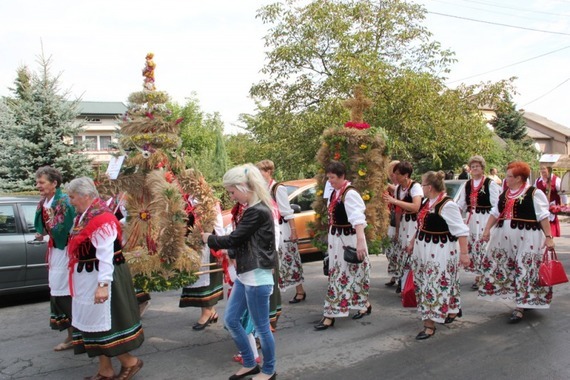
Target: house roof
{"type": "Point", "coordinates": [546, 123]}
{"type": "Point", "coordinates": [534, 134]}
{"type": "Point", "coordinates": [102, 108]}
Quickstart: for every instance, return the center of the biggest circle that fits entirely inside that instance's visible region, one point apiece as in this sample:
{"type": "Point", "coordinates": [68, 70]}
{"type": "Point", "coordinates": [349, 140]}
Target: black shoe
{"type": "Point", "coordinates": [297, 300]}
{"type": "Point", "coordinates": [399, 288]}
{"type": "Point", "coordinates": [424, 335]}
{"type": "Point", "coordinates": [322, 326]}
{"type": "Point", "coordinates": [450, 319]}
{"type": "Point", "coordinates": [516, 316]}
{"type": "Point", "coordinates": [201, 326]}
{"type": "Point", "coordinates": [254, 371]}
{"type": "Point", "coordinates": [392, 282]}
{"type": "Point", "coordinates": [361, 314]}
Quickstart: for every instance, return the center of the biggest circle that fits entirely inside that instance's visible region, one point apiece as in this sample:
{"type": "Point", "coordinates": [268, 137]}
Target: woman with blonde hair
{"type": "Point", "coordinates": [438, 249]}
{"type": "Point", "coordinates": [252, 245]}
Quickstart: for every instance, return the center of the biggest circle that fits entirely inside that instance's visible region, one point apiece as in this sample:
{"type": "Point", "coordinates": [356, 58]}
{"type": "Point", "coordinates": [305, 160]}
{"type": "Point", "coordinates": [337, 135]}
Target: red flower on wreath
{"type": "Point", "coordinates": [336, 156]}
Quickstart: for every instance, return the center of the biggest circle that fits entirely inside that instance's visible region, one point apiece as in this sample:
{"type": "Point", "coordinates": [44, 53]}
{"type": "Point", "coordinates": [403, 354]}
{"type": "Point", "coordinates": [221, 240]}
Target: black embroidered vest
{"type": "Point", "coordinates": [406, 215]}
{"type": "Point", "coordinates": [340, 223]}
{"type": "Point", "coordinates": [483, 197]}
{"type": "Point", "coordinates": [90, 261]}
{"type": "Point", "coordinates": [524, 215]}
{"type": "Point", "coordinates": [435, 228]}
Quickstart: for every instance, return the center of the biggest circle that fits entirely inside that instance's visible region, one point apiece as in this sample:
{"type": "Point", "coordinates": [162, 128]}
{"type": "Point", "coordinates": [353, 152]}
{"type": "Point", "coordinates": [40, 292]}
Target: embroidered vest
{"type": "Point", "coordinates": [435, 228]}
{"type": "Point", "coordinates": [406, 215]}
{"type": "Point", "coordinates": [340, 223]}
{"type": "Point", "coordinates": [524, 216]}
{"type": "Point", "coordinates": [554, 196]}
{"type": "Point", "coordinates": [483, 197]}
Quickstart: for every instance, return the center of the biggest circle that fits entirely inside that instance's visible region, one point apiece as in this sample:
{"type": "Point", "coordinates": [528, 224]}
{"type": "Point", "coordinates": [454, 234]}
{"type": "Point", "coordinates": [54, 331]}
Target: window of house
{"type": "Point", "coordinates": [77, 139]}
{"type": "Point", "coordinates": [91, 142]}
{"type": "Point", "coordinates": [104, 142]}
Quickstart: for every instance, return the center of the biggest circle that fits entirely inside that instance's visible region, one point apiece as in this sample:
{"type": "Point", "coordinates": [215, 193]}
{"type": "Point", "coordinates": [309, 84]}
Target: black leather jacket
{"type": "Point", "coordinates": [252, 243]}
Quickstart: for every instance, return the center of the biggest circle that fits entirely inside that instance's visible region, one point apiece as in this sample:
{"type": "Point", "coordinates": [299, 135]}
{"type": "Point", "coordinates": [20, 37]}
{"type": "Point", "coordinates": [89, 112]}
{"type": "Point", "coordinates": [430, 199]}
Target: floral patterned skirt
{"type": "Point", "coordinates": [290, 267]}
{"type": "Point", "coordinates": [510, 268]}
{"type": "Point", "coordinates": [436, 267]}
{"type": "Point", "coordinates": [477, 223]}
{"type": "Point", "coordinates": [349, 284]}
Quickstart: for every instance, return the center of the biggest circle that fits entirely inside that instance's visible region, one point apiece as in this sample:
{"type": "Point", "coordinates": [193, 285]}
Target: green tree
{"type": "Point", "coordinates": [318, 52]}
{"type": "Point", "coordinates": [508, 122]}
{"type": "Point", "coordinates": [202, 141]}
{"type": "Point", "coordinates": [37, 129]}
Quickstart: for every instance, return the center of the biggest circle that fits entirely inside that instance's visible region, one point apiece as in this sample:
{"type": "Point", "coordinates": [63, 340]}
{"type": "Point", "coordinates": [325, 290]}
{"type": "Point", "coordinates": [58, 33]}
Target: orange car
{"type": "Point", "coordinates": [301, 196]}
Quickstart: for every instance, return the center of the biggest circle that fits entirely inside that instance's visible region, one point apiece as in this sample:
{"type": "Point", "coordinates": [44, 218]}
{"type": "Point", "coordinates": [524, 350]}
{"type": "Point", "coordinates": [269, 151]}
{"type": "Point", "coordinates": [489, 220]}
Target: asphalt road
{"type": "Point", "coordinates": [480, 345]}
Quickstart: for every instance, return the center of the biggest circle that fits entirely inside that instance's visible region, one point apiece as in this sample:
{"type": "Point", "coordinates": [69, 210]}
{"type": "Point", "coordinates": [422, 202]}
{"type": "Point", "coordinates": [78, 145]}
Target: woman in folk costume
{"type": "Point", "coordinates": [406, 200]}
{"type": "Point", "coordinates": [290, 267]}
{"type": "Point", "coordinates": [516, 243]}
{"type": "Point", "coordinates": [105, 311]}
{"type": "Point", "coordinates": [477, 198]}
{"type": "Point", "coordinates": [209, 288]}
{"type": "Point", "coordinates": [550, 185]}
{"type": "Point", "coordinates": [54, 217]}
{"type": "Point", "coordinates": [348, 284]}
{"type": "Point", "coordinates": [438, 250]}
{"type": "Point", "coordinates": [393, 251]}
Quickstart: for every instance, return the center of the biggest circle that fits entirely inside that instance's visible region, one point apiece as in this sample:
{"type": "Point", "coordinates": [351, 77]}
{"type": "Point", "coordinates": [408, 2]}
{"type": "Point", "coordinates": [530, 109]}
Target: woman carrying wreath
{"type": "Point", "coordinates": [438, 250]}
{"type": "Point", "coordinates": [348, 284]}
{"type": "Point", "coordinates": [518, 230]}
{"type": "Point", "coordinates": [290, 267]}
{"type": "Point", "coordinates": [54, 217]}
{"type": "Point", "coordinates": [105, 311]}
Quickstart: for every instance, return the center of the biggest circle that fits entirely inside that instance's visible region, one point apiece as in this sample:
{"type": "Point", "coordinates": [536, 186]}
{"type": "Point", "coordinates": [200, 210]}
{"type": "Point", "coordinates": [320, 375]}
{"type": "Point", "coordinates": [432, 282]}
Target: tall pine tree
{"type": "Point", "coordinates": [38, 124]}
{"type": "Point", "coordinates": [508, 122]}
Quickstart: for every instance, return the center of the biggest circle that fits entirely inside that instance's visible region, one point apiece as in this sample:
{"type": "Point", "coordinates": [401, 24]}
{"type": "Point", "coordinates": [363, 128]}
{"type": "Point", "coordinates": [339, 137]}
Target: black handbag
{"type": "Point", "coordinates": [350, 255]}
{"type": "Point", "coordinates": [326, 265]}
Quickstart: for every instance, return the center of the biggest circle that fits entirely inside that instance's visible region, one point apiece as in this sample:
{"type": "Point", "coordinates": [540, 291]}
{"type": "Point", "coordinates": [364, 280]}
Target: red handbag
{"type": "Point", "coordinates": [409, 290]}
{"type": "Point", "coordinates": [551, 271]}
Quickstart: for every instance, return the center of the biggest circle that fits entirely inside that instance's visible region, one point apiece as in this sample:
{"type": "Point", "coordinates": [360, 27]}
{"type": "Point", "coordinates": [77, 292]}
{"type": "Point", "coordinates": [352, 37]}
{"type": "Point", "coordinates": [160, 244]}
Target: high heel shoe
{"type": "Point", "coordinates": [450, 319]}
{"type": "Point", "coordinates": [297, 300]}
{"type": "Point", "coordinates": [201, 326]}
{"type": "Point", "coordinates": [361, 314]}
{"type": "Point", "coordinates": [322, 326]}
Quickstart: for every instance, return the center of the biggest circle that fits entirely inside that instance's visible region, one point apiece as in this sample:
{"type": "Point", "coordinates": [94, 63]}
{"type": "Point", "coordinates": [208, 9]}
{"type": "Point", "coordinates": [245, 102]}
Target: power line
{"type": "Point", "coordinates": [496, 23]}
{"type": "Point", "coordinates": [512, 64]}
{"type": "Point", "coordinates": [543, 95]}
{"type": "Point", "coordinates": [494, 12]}
{"type": "Point", "coordinates": [516, 9]}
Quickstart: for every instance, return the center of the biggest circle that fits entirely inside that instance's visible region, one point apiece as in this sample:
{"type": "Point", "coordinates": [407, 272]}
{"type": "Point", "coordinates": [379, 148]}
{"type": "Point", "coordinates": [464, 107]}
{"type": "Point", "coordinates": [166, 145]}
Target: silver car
{"type": "Point", "coordinates": [23, 265]}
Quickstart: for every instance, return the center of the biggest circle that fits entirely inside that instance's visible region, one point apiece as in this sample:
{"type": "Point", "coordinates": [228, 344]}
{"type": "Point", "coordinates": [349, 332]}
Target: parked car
{"type": "Point", "coordinates": [301, 195]}
{"type": "Point", "coordinates": [453, 187]}
{"type": "Point", "coordinates": [23, 265]}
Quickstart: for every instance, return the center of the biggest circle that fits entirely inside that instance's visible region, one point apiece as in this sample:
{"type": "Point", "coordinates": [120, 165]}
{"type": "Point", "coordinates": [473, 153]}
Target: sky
{"type": "Point", "coordinates": [215, 50]}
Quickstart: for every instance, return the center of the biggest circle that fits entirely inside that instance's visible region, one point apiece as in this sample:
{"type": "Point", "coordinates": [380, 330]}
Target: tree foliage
{"type": "Point", "coordinates": [508, 122]}
{"type": "Point", "coordinates": [37, 127]}
{"type": "Point", "coordinates": [203, 144]}
{"type": "Point", "coordinates": [318, 52]}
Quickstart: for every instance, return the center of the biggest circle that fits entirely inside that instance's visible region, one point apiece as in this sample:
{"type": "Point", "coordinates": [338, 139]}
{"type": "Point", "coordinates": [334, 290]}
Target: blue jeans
{"type": "Point", "coordinates": [256, 300]}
